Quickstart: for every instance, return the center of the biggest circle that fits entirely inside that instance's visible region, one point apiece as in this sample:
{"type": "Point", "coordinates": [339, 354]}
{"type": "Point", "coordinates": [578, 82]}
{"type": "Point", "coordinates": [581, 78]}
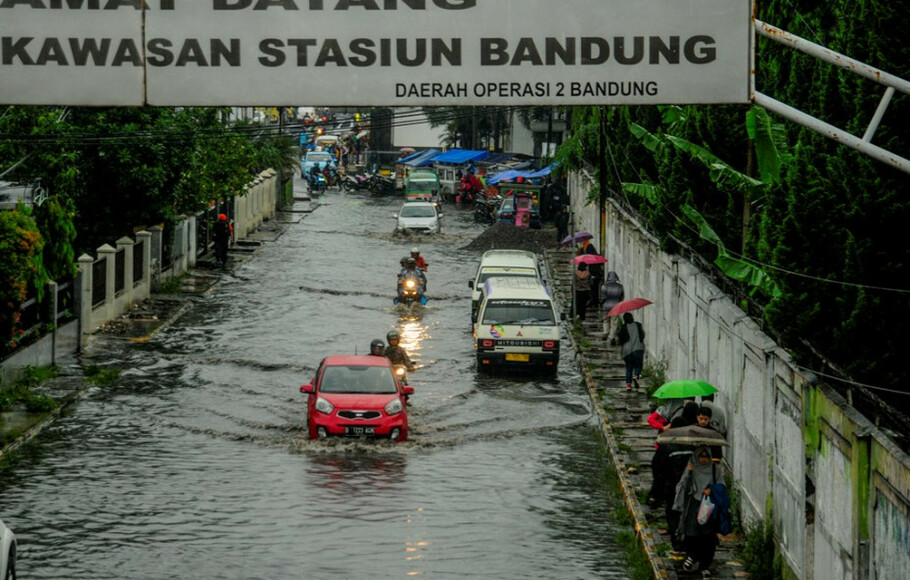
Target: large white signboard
{"type": "Point", "coordinates": [374, 52]}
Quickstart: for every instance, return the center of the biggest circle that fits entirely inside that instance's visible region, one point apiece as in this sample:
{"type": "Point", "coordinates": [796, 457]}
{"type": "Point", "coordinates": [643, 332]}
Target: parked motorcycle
{"type": "Point", "coordinates": [485, 210]}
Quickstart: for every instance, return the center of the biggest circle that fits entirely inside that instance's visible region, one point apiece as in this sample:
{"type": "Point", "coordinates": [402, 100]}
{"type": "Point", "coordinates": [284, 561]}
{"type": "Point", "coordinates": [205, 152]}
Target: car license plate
{"type": "Point", "coordinates": [518, 357]}
{"type": "Point", "coordinates": [357, 430]}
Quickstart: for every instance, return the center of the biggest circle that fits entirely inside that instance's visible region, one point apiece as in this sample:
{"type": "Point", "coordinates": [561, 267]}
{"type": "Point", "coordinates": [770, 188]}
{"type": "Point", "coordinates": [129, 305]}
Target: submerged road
{"type": "Point", "coordinates": [195, 465]}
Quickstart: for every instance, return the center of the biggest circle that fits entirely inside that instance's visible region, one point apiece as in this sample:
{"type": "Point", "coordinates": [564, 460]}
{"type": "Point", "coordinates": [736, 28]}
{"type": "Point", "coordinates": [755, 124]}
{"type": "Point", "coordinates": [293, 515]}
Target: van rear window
{"type": "Point", "coordinates": [526, 312]}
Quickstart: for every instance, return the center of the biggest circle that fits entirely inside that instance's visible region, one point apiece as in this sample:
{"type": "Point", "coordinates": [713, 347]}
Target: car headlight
{"type": "Point", "coordinates": [324, 406]}
{"type": "Point", "coordinates": [394, 407]}
{"type": "Point", "coordinates": [409, 283]}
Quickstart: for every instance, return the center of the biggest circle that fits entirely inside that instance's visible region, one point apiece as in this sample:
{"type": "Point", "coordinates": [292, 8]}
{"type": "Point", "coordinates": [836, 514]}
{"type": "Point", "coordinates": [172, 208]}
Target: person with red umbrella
{"type": "Point", "coordinates": [597, 274]}
{"type": "Point", "coordinates": [632, 340]}
{"type": "Point", "coordinates": [582, 290]}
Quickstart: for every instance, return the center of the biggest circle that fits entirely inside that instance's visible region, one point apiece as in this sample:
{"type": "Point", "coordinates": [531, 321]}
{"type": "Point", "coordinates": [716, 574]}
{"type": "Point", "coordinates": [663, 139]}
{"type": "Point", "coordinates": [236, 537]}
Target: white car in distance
{"type": "Point", "coordinates": [420, 217]}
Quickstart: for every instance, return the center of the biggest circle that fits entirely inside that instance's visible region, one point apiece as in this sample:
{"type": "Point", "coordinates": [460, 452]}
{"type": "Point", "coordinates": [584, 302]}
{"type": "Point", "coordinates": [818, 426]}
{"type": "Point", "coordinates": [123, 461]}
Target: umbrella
{"type": "Point", "coordinates": [407, 150]}
{"type": "Point", "coordinates": [628, 306]}
{"type": "Point", "coordinates": [691, 435]}
{"type": "Point", "coordinates": [577, 237]}
{"type": "Point", "coordinates": [683, 389]}
{"type": "Point", "coordinates": [588, 259]}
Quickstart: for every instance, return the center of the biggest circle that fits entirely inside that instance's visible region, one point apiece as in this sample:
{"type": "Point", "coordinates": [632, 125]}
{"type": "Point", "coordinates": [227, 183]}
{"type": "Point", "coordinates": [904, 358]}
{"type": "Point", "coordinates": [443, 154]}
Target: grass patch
{"type": "Point", "coordinates": [101, 377]}
{"type": "Point", "coordinates": [654, 375]}
{"type": "Point", "coordinates": [170, 286]}
{"type": "Point", "coordinates": [21, 392]}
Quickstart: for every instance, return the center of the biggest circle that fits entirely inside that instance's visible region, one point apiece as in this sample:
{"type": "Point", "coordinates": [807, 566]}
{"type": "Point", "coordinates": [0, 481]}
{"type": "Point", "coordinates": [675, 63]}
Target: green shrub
{"type": "Point", "coordinates": [759, 552]}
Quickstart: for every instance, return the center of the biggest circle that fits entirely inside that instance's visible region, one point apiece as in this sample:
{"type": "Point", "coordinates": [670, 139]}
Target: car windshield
{"type": "Point", "coordinates": [318, 157]}
{"type": "Point", "coordinates": [358, 379]}
{"type": "Point", "coordinates": [418, 211]}
{"type": "Point", "coordinates": [526, 312]}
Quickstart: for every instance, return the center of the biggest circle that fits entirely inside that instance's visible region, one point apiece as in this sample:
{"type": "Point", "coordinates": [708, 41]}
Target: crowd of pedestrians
{"type": "Point", "coordinates": [687, 479]}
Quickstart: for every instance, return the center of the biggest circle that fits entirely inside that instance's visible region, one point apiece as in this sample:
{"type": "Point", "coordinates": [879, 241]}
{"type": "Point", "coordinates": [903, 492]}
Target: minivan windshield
{"type": "Point", "coordinates": [525, 312]}
{"type": "Point", "coordinates": [486, 274]}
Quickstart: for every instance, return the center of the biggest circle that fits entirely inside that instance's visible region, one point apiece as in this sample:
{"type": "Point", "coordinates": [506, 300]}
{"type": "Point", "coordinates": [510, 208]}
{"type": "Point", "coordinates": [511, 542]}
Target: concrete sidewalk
{"type": "Point", "coordinates": [628, 437]}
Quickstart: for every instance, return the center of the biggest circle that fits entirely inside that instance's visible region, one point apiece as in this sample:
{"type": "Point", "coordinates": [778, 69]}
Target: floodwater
{"type": "Point", "coordinates": [195, 465]}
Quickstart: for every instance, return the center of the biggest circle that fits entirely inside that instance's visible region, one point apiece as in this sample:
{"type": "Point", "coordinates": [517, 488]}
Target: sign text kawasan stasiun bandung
{"type": "Point", "coordinates": [374, 52]}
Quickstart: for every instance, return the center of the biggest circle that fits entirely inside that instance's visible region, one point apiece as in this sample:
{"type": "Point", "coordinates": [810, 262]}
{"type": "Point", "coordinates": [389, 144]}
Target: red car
{"type": "Point", "coordinates": [357, 396]}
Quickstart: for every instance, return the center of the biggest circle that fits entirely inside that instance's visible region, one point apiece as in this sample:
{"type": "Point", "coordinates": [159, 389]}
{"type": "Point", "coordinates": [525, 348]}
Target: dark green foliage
{"type": "Point", "coordinates": [831, 231]}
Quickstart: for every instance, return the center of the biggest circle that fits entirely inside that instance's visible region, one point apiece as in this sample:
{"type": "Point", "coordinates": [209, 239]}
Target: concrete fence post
{"type": "Point", "coordinates": [108, 254]}
{"type": "Point", "coordinates": [86, 323]}
{"type": "Point", "coordinates": [144, 289]}
{"type": "Point", "coordinates": [126, 244]}
{"type": "Point", "coordinates": [157, 233]}
{"type": "Point", "coordinates": [191, 241]}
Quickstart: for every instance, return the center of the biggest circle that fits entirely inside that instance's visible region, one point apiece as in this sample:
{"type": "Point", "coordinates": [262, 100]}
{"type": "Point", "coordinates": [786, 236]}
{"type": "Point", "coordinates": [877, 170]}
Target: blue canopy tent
{"type": "Point", "coordinates": [511, 174]}
{"type": "Point", "coordinates": [410, 157]}
{"type": "Point", "coordinates": [422, 158]}
{"type": "Point", "coordinates": [461, 156]}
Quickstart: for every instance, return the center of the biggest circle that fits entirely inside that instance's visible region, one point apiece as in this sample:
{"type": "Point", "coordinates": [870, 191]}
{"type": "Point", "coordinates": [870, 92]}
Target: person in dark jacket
{"type": "Point", "coordinates": [632, 340]}
{"type": "Point", "coordinates": [222, 234]}
{"type": "Point", "coordinates": [611, 294]}
{"type": "Point", "coordinates": [597, 276]}
{"type": "Point", "coordinates": [671, 465]}
{"type": "Point", "coordinates": [582, 290]}
{"type": "Point", "coordinates": [562, 224]}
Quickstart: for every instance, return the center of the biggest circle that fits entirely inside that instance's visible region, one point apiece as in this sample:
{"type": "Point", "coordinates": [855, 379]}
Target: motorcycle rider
{"type": "Point", "coordinates": [377, 348]}
{"type": "Point", "coordinates": [421, 262]}
{"type": "Point", "coordinates": [395, 353]}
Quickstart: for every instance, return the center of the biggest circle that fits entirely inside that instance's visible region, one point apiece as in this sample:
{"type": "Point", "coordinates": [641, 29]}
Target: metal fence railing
{"type": "Point", "coordinates": [99, 282]}
{"type": "Point", "coordinates": [119, 271]}
{"type": "Point", "coordinates": [138, 261]}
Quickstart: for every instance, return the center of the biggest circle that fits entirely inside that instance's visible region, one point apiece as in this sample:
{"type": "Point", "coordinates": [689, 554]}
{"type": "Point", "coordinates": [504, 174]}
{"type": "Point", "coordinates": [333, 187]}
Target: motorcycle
{"type": "Point", "coordinates": [410, 290]}
{"type": "Point", "coordinates": [358, 182]}
{"type": "Point", "coordinates": [485, 210]}
{"type": "Point", "coordinates": [317, 183]}
{"type": "Point", "coordinates": [380, 184]}
{"type": "Point", "coordinates": [401, 372]}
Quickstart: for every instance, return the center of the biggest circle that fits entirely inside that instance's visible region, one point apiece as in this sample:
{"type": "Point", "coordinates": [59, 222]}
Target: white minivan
{"type": "Point", "coordinates": [503, 264]}
{"type": "Point", "coordinates": [516, 325]}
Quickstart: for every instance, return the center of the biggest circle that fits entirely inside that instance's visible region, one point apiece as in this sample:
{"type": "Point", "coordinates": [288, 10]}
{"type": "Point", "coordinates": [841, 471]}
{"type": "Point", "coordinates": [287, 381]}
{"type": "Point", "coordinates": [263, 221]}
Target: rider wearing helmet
{"type": "Point", "coordinates": [421, 262]}
{"type": "Point", "coordinates": [377, 347]}
{"type": "Point", "coordinates": [395, 353]}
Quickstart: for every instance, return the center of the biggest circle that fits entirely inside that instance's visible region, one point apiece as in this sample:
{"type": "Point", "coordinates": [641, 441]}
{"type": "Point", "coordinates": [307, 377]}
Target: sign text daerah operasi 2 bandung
{"type": "Point", "coordinates": [374, 52]}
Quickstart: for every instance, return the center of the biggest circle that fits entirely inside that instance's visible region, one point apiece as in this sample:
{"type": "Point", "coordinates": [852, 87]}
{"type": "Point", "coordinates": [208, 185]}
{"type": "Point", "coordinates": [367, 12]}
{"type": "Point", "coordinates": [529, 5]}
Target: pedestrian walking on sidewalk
{"type": "Point", "coordinates": [223, 234]}
{"type": "Point", "coordinates": [632, 339]}
{"type": "Point", "coordinates": [561, 221]}
{"type": "Point", "coordinates": [597, 276]}
{"type": "Point", "coordinates": [582, 290]}
{"type": "Point", "coordinates": [611, 294]}
{"type": "Point", "coordinates": [699, 539]}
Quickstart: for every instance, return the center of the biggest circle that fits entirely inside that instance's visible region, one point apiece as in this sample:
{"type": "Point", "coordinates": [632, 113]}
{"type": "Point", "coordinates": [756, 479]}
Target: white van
{"type": "Point", "coordinates": [516, 325]}
{"type": "Point", "coordinates": [502, 263]}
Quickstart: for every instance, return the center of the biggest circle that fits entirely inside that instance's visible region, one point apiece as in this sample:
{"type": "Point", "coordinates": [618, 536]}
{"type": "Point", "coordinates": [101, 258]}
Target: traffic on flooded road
{"type": "Point", "coordinates": [199, 462]}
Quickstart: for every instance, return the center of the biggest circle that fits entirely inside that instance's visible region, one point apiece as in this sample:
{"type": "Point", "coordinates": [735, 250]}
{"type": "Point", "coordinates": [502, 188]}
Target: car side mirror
{"type": "Point", "coordinates": [471, 284]}
{"type": "Point", "coordinates": [395, 215]}
{"type": "Point", "coordinates": [562, 316]}
{"type": "Point", "coordinates": [439, 216]}
{"type": "Point", "coordinates": [408, 390]}
{"type": "Point", "coordinates": [308, 389]}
